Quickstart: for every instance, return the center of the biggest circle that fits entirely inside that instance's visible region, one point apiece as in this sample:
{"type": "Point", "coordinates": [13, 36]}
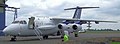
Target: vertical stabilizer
{"type": "Point", "coordinates": [78, 10]}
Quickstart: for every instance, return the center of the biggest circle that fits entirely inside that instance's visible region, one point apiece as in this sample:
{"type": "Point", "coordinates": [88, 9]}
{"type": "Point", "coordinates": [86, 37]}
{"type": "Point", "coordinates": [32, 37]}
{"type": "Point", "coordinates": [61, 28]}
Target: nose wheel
{"type": "Point", "coordinates": [13, 38]}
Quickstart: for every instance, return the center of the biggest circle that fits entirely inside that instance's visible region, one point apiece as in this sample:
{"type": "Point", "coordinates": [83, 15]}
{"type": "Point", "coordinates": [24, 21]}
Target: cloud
{"type": "Point", "coordinates": [110, 7]}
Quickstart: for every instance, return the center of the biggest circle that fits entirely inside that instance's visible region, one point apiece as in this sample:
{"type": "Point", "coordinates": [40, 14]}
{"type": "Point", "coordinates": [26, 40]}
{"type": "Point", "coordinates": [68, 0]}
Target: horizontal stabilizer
{"type": "Point", "coordinates": [80, 8]}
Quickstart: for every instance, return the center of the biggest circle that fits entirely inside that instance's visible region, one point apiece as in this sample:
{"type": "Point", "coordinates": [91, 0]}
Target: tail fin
{"type": "Point", "coordinates": [78, 10]}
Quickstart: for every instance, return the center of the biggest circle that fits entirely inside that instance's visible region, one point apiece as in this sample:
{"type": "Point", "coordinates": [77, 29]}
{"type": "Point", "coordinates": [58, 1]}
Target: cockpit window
{"type": "Point", "coordinates": [21, 22]}
{"type": "Point", "coordinates": [15, 22]}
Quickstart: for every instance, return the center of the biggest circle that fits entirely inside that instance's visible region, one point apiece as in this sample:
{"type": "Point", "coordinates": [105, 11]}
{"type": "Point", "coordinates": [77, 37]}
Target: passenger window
{"type": "Point", "coordinates": [21, 22]}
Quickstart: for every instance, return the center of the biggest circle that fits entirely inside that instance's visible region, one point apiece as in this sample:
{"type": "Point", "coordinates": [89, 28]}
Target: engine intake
{"type": "Point", "coordinates": [60, 26]}
{"type": "Point", "coordinates": [74, 27]}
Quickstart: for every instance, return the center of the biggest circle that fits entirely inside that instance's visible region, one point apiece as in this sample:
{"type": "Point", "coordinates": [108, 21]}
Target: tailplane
{"type": "Point", "coordinates": [78, 10]}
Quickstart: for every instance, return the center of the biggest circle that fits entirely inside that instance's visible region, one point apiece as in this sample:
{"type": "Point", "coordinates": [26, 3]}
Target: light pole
{"type": "Point", "coordinates": [15, 10]}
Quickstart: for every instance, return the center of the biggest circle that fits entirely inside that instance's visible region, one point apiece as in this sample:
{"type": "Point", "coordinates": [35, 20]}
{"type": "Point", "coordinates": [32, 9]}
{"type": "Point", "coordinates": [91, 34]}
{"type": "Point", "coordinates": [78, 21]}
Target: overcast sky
{"type": "Point", "coordinates": [109, 10]}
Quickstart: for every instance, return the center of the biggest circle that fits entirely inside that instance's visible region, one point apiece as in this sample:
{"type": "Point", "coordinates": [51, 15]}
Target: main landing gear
{"type": "Point", "coordinates": [13, 38]}
{"type": "Point", "coordinates": [62, 36]}
{"type": "Point", "coordinates": [45, 37]}
{"type": "Point", "coordinates": [76, 35]}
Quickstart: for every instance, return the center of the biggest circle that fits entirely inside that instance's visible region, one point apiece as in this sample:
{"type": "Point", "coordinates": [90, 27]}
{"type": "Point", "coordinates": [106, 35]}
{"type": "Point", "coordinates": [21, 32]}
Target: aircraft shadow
{"type": "Point", "coordinates": [37, 39]}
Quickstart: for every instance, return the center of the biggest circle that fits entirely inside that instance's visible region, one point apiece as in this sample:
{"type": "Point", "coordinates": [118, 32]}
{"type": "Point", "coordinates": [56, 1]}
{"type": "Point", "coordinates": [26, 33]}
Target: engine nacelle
{"type": "Point", "coordinates": [77, 27]}
{"type": "Point", "coordinates": [62, 27]}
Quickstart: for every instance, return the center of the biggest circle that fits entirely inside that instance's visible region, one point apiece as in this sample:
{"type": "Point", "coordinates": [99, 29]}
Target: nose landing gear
{"type": "Point", "coordinates": [13, 38]}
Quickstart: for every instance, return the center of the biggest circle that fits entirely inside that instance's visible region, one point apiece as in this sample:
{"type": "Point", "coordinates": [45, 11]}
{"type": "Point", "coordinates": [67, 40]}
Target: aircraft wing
{"type": "Point", "coordinates": [85, 21]}
{"type": "Point", "coordinates": [74, 27]}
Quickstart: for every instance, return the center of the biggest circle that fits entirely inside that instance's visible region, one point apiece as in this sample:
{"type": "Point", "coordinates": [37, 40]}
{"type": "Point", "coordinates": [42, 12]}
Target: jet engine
{"type": "Point", "coordinates": [62, 27]}
{"type": "Point", "coordinates": [75, 28]}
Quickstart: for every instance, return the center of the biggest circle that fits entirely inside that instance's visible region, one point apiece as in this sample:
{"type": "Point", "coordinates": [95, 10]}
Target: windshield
{"type": "Point", "coordinates": [15, 22]}
{"type": "Point", "coordinates": [21, 22]}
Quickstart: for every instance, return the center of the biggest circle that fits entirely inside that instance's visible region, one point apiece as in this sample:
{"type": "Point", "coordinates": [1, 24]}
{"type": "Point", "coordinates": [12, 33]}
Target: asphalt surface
{"type": "Point", "coordinates": [84, 38]}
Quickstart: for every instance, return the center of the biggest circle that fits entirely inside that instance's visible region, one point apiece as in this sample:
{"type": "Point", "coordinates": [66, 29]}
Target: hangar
{"type": "Point", "coordinates": [2, 15]}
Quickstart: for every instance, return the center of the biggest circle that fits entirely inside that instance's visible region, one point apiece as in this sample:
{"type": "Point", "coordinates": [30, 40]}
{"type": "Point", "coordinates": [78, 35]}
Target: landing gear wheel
{"type": "Point", "coordinates": [13, 38]}
{"type": "Point", "coordinates": [76, 35]}
{"type": "Point", "coordinates": [45, 37]}
{"type": "Point", "coordinates": [62, 37]}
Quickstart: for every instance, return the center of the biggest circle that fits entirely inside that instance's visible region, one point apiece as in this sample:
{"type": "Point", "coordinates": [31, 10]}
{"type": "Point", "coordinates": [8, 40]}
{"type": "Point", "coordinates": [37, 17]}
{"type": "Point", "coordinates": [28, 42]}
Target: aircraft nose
{"type": "Point", "coordinates": [11, 29]}
{"type": "Point", "coordinates": [6, 30]}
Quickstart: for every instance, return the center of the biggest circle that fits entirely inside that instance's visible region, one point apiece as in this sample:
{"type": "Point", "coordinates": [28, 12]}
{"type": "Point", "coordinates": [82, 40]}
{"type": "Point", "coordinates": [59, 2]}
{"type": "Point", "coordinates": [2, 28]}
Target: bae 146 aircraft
{"type": "Point", "coordinates": [42, 26]}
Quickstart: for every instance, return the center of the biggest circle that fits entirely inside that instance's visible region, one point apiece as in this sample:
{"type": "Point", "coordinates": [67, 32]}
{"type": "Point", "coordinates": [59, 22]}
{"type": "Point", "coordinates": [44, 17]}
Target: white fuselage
{"type": "Point", "coordinates": [41, 24]}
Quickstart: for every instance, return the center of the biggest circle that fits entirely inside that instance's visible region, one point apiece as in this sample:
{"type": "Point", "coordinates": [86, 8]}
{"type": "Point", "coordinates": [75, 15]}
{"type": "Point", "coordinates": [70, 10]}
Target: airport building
{"type": "Point", "coordinates": [2, 16]}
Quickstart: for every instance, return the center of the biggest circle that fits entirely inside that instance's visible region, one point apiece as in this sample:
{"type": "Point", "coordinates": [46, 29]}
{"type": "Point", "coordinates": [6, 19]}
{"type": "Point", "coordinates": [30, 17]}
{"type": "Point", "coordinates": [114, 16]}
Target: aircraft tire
{"type": "Point", "coordinates": [76, 35]}
{"type": "Point", "coordinates": [13, 38]}
{"type": "Point", "coordinates": [45, 37]}
{"type": "Point", "coordinates": [62, 37]}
